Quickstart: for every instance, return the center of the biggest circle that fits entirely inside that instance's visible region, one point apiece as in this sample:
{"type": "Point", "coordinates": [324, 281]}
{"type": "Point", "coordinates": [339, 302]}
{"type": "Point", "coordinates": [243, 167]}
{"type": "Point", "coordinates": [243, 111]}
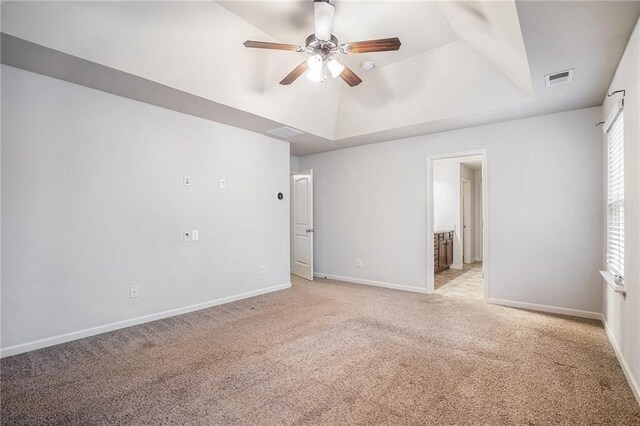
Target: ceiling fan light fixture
{"type": "Point", "coordinates": [317, 75]}
{"type": "Point", "coordinates": [314, 62]}
{"type": "Point", "coordinates": [335, 67]}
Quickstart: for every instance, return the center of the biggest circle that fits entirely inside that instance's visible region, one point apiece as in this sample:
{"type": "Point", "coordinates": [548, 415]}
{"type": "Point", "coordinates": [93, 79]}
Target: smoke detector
{"type": "Point", "coordinates": [285, 132]}
{"type": "Point", "coordinates": [368, 65]}
{"type": "Point", "coordinates": [559, 77]}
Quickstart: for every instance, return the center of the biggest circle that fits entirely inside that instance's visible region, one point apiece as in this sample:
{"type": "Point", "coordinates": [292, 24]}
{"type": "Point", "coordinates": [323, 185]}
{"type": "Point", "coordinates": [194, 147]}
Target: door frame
{"type": "Point", "coordinates": [482, 152]}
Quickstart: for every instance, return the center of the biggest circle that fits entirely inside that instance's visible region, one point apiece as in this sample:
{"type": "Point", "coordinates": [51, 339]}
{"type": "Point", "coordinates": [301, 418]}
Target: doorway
{"type": "Point", "coordinates": [302, 224]}
{"type": "Point", "coordinates": [457, 225]}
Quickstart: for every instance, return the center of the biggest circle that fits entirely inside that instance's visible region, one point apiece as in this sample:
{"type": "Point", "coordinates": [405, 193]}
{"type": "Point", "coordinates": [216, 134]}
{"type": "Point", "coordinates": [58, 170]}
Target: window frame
{"type": "Point", "coordinates": [615, 199]}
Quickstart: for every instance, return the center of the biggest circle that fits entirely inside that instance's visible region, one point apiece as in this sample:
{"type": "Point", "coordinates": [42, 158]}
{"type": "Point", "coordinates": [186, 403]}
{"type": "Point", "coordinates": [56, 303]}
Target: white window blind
{"type": "Point", "coordinates": [615, 196]}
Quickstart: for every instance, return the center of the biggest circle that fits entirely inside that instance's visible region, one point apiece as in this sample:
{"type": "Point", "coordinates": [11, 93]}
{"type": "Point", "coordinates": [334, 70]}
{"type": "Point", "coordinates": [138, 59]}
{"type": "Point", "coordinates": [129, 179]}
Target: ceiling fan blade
{"type": "Point", "coordinates": [274, 46]}
{"type": "Point", "coordinates": [381, 45]}
{"type": "Point", "coordinates": [350, 77]}
{"type": "Point", "coordinates": [323, 15]}
{"type": "Point", "coordinates": [293, 75]}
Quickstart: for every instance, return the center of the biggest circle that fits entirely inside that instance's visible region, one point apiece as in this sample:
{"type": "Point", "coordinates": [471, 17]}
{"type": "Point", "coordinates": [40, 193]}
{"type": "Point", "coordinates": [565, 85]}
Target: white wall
{"type": "Point", "coordinates": [544, 205]}
{"type": "Point", "coordinates": [93, 202]}
{"type": "Point", "coordinates": [446, 191]}
{"type": "Point", "coordinates": [622, 317]}
{"type": "Point", "coordinates": [293, 167]}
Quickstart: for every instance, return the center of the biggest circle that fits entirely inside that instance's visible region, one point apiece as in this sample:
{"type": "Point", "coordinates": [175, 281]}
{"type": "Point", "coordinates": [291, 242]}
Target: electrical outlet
{"type": "Point", "coordinates": [358, 263]}
{"type": "Point", "coordinates": [186, 180]}
{"type": "Point", "coordinates": [133, 291]}
{"type": "Point", "coordinates": [223, 183]}
{"type": "Point", "coordinates": [186, 236]}
{"type": "Point", "coordinates": [263, 270]}
{"type": "Point", "coordinates": [195, 235]}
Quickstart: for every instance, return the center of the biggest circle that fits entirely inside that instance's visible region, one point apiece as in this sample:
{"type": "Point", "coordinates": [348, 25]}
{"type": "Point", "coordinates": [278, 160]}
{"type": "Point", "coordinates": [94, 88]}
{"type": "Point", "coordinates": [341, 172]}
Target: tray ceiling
{"type": "Point", "coordinates": [461, 63]}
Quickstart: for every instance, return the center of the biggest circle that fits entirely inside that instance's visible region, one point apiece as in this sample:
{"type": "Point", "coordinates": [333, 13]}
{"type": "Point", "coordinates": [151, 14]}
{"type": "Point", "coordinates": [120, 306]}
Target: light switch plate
{"type": "Point", "coordinates": [186, 236]}
{"type": "Point", "coordinates": [186, 181]}
{"type": "Point", "coordinates": [195, 235]}
{"type": "Point", "coordinates": [223, 183]}
{"type": "Point", "coordinates": [133, 291]}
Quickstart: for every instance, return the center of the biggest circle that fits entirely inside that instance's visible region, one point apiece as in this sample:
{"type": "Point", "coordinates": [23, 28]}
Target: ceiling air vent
{"type": "Point", "coordinates": [559, 77]}
{"type": "Point", "coordinates": [285, 132]}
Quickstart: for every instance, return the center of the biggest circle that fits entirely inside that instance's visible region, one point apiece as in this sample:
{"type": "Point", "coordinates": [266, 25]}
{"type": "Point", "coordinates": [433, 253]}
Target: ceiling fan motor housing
{"type": "Point", "coordinates": [323, 12]}
{"type": "Point", "coordinates": [323, 48]}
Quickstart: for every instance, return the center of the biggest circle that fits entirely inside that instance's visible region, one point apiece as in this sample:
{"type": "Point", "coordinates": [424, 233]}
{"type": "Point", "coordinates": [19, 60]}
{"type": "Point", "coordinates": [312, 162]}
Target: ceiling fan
{"type": "Point", "coordinates": [322, 45]}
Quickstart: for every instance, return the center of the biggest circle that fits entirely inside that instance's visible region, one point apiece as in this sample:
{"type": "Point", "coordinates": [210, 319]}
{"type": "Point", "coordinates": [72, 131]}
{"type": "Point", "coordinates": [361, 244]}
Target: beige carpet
{"type": "Point", "coordinates": [329, 353]}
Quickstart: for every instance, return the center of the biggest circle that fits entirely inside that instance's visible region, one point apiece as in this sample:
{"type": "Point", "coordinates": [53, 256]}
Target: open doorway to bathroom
{"type": "Point", "coordinates": [457, 225]}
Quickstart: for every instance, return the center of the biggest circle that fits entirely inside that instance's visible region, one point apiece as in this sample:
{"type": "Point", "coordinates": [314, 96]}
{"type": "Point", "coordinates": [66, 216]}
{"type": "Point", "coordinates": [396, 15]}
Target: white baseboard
{"type": "Point", "coordinates": [456, 266]}
{"type": "Point", "coordinates": [372, 283]}
{"type": "Point", "coordinates": [478, 259]}
{"type": "Point", "coordinates": [633, 384]}
{"type": "Point", "coordinates": [546, 308]}
{"type": "Point", "coordinates": [75, 335]}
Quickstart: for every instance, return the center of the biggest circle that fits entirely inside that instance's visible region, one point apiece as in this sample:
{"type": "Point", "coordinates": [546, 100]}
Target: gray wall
{"type": "Point", "coordinates": [93, 202]}
{"type": "Point", "coordinates": [544, 205]}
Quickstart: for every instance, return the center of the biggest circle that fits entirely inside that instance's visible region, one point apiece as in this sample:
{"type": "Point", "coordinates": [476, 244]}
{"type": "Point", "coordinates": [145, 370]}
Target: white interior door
{"type": "Point", "coordinates": [302, 224]}
{"type": "Point", "coordinates": [466, 221]}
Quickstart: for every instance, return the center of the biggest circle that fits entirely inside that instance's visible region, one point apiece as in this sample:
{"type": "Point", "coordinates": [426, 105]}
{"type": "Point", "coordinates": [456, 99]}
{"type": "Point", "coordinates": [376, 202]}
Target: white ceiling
{"type": "Point", "coordinates": [460, 64]}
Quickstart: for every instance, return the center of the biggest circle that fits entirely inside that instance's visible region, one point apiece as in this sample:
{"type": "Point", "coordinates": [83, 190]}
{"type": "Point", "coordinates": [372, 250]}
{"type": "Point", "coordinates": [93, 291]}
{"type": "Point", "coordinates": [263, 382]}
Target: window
{"type": "Point", "coordinates": [615, 196]}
